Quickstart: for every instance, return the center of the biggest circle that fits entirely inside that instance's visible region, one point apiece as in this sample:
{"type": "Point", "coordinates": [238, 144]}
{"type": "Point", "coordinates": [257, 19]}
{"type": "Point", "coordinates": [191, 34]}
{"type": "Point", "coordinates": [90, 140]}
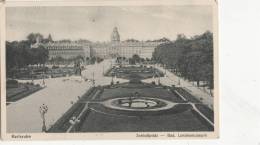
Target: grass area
{"type": "Point", "coordinates": [175, 110]}
{"type": "Point", "coordinates": [134, 72]}
{"type": "Point", "coordinates": [206, 111]}
{"type": "Point", "coordinates": [179, 118]}
{"type": "Point", "coordinates": [21, 91]}
{"type": "Point", "coordinates": [185, 121]}
{"type": "Point", "coordinates": [159, 92]}
{"type": "Point", "coordinates": [202, 120]}
{"type": "Point", "coordinates": [187, 95]}
{"type": "Point", "coordinates": [63, 124]}
{"type": "Point", "coordinates": [209, 113]}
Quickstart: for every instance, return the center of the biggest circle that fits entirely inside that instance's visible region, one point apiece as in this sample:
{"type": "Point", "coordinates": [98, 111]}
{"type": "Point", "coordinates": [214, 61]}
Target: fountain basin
{"type": "Point", "coordinates": [138, 104]}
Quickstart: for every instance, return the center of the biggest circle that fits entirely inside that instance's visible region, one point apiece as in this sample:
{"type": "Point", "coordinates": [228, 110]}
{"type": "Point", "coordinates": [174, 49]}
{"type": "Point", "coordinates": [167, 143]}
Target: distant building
{"type": "Point", "coordinates": [100, 50]}
{"type": "Point", "coordinates": [67, 50]}
{"type": "Point", "coordinates": [127, 49]}
{"type": "Point", "coordinates": [115, 37]}
{"type": "Point", "coordinates": [64, 49]}
{"type": "Point", "coordinates": [114, 48]}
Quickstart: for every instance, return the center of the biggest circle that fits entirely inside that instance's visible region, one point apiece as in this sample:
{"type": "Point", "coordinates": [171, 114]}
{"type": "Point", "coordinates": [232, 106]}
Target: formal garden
{"type": "Point", "coordinates": [135, 106]}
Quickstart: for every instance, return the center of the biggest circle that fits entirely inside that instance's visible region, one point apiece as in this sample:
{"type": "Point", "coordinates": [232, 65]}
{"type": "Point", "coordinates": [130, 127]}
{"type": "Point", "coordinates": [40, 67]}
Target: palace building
{"type": "Point", "coordinates": [127, 49]}
{"type": "Point", "coordinates": [67, 50]}
{"type": "Point", "coordinates": [114, 48]}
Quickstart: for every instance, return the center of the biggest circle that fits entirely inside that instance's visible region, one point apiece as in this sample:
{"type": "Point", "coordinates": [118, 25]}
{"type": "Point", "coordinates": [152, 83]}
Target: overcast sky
{"type": "Point", "coordinates": [96, 23]}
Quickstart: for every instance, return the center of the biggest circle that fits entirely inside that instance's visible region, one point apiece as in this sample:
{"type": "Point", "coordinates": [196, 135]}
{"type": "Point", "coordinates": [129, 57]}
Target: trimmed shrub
{"type": "Point", "coordinates": [11, 83]}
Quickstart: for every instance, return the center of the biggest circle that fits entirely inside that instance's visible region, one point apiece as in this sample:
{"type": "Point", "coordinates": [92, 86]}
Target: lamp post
{"type": "Point", "coordinates": [32, 75]}
{"type": "Point", "coordinates": [43, 110]}
{"type": "Point", "coordinates": [43, 82]}
{"type": "Point", "coordinates": [103, 69]}
{"type": "Point", "coordinates": [111, 63]}
{"type": "Point", "coordinates": [165, 70]}
{"type": "Point", "coordinates": [179, 81]}
{"type": "Point", "coordinates": [159, 82]}
{"type": "Point", "coordinates": [93, 79]}
{"type": "Point", "coordinates": [112, 81]}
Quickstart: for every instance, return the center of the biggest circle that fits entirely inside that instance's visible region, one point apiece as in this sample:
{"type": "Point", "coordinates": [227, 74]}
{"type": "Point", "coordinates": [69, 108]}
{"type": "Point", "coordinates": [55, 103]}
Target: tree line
{"type": "Point", "coordinates": [190, 58]}
{"type": "Point", "coordinates": [20, 54]}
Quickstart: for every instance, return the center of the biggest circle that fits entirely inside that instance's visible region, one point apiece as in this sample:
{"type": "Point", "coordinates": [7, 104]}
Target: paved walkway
{"type": "Point", "coordinates": [172, 79]}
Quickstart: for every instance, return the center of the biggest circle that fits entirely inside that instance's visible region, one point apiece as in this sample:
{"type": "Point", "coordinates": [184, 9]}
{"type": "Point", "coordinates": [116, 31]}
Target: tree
{"type": "Point", "coordinates": [142, 60]}
{"type": "Point", "coordinates": [33, 36]}
{"type": "Point", "coordinates": [43, 55]}
{"type": "Point", "coordinates": [87, 58]}
{"type": "Point", "coordinates": [79, 57]}
{"type": "Point", "coordinates": [93, 59]}
{"type": "Point", "coordinates": [19, 55]}
{"type": "Point", "coordinates": [99, 59]}
{"type": "Point", "coordinates": [191, 58]}
{"type": "Point", "coordinates": [136, 58]}
{"type": "Point", "coordinates": [132, 40]}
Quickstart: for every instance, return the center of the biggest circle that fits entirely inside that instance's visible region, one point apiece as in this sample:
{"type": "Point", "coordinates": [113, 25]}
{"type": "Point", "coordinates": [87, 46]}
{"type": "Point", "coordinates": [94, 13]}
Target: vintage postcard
{"type": "Point", "coordinates": [109, 70]}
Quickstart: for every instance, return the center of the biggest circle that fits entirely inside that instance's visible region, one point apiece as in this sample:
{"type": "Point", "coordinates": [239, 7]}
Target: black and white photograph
{"type": "Point", "coordinates": [140, 69]}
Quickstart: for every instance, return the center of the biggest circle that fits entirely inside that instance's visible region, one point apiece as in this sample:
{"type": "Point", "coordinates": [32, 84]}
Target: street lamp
{"type": "Point", "coordinates": [179, 81]}
{"type": "Point", "coordinates": [43, 82]}
{"type": "Point", "coordinates": [93, 79]}
{"type": "Point", "coordinates": [103, 69]}
{"type": "Point", "coordinates": [159, 82]}
{"type": "Point", "coordinates": [165, 70]}
{"type": "Point", "coordinates": [112, 81]}
{"type": "Point", "coordinates": [43, 110]}
{"type": "Point", "coordinates": [32, 75]}
{"type": "Point", "coordinates": [111, 63]}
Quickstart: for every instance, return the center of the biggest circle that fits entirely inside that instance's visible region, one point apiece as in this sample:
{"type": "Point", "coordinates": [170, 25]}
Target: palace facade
{"type": "Point", "coordinates": [67, 50]}
{"type": "Point", "coordinates": [114, 48]}
{"type": "Point", "coordinates": [127, 49]}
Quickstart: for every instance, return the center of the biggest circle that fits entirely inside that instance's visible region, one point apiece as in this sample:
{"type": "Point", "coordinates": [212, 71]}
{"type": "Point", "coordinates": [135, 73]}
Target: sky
{"type": "Point", "coordinates": [95, 23]}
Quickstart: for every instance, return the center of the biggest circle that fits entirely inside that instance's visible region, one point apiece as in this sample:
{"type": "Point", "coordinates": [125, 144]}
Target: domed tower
{"type": "Point", "coordinates": [115, 37]}
{"type": "Point", "coordinates": [50, 38]}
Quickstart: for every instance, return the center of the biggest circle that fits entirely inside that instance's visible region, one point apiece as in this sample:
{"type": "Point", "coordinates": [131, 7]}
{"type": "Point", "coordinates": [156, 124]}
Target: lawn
{"type": "Point", "coordinates": [130, 72]}
{"type": "Point", "coordinates": [179, 118]}
{"type": "Point", "coordinates": [100, 122]}
{"type": "Point", "coordinates": [146, 92]}
{"type": "Point", "coordinates": [21, 91]}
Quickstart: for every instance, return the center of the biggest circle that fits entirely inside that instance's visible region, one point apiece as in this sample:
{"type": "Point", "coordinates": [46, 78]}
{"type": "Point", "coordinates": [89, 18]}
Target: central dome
{"type": "Point", "coordinates": [115, 37]}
